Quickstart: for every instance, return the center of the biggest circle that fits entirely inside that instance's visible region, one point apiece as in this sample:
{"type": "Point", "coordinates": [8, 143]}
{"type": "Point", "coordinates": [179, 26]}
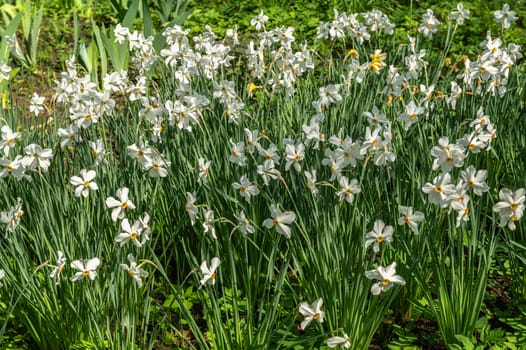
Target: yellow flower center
{"type": "Point", "coordinates": [86, 183]}
{"type": "Point", "coordinates": [316, 316]}
{"type": "Point", "coordinates": [513, 206]}
{"type": "Point", "coordinates": [85, 273]}
{"type": "Point", "coordinates": [275, 222]}
{"type": "Point", "coordinates": [438, 189]}
{"type": "Point", "coordinates": [9, 168]}
{"type": "Point", "coordinates": [471, 183]}
{"type": "Point", "coordinates": [297, 158]}
{"type": "Point", "coordinates": [124, 205]}
{"type": "Point", "coordinates": [385, 282]}
{"type": "Point", "coordinates": [133, 236]}
{"type": "Point", "coordinates": [379, 239]}
{"type": "Point", "coordinates": [242, 189]}
{"type": "Point", "coordinates": [10, 142]}
{"type": "Point", "coordinates": [407, 219]}
{"type": "Point", "coordinates": [348, 191]}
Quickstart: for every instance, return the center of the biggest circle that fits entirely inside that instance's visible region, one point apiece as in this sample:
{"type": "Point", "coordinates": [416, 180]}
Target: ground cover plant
{"type": "Point", "coordinates": [187, 189]}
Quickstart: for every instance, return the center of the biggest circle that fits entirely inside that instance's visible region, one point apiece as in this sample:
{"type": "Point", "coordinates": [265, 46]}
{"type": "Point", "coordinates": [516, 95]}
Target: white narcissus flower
{"type": "Point", "coordinates": [119, 206]}
{"type": "Point", "coordinates": [475, 180]}
{"type": "Point", "coordinates": [410, 218]}
{"type": "Point", "coordinates": [510, 207]}
{"type": "Point", "coordinates": [311, 312]}
{"type": "Point", "coordinates": [134, 271]}
{"type": "Point", "coordinates": [61, 263]}
{"type": "Point", "coordinates": [439, 191]}
{"type": "Point", "coordinates": [37, 158]}
{"type": "Point", "coordinates": [4, 71]}
{"type": "Point", "coordinates": [130, 233]}
{"type": "Point", "coordinates": [209, 272]}
{"type": "Point", "coordinates": [2, 275]}
{"type": "Point", "coordinates": [37, 104]}
{"type": "Point", "coordinates": [505, 16]}
{"type": "Point", "coordinates": [190, 207]}
{"type": "Point", "coordinates": [387, 277]}
{"type": "Point", "coordinates": [244, 224]}
{"type": "Point", "coordinates": [204, 166]}
{"type": "Point", "coordinates": [348, 189]}
{"type": "Point", "coordinates": [8, 140]}
{"type": "Point", "coordinates": [208, 216]}
{"type": "Point", "coordinates": [343, 341]}
{"type": "Point", "coordinates": [311, 181]}
{"type": "Point", "coordinates": [246, 188]}
{"type": "Point", "coordinates": [86, 268]}
{"type": "Point", "coordinates": [84, 183]}
{"type": "Point", "coordinates": [378, 235]}
{"type": "Point", "coordinates": [280, 220]}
